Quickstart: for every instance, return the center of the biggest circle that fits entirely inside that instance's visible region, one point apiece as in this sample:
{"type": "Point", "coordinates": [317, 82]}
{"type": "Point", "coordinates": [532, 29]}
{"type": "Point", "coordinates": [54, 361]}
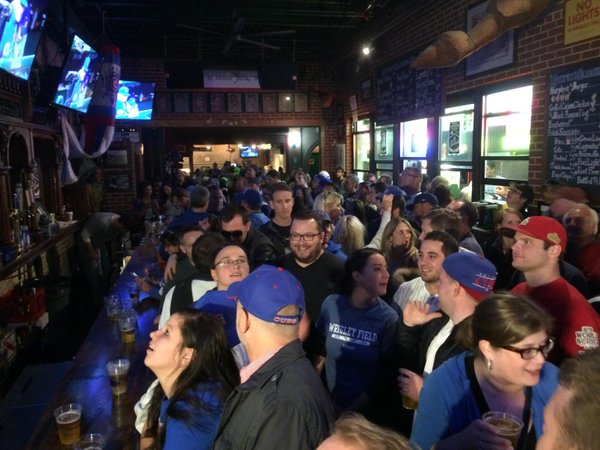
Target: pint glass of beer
{"type": "Point", "coordinates": [505, 425]}
{"type": "Point", "coordinates": [68, 420]}
{"type": "Point", "coordinates": [117, 374]}
{"type": "Point", "coordinates": [127, 323]}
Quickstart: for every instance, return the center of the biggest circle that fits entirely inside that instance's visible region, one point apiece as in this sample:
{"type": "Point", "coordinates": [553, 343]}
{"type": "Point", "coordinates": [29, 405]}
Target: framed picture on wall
{"type": "Point", "coordinates": [117, 182]}
{"type": "Point", "coordinates": [234, 102]}
{"type": "Point", "coordinates": [268, 103]}
{"type": "Point", "coordinates": [300, 102]}
{"type": "Point", "coordinates": [181, 102]}
{"type": "Point", "coordinates": [251, 102]}
{"type": "Point", "coordinates": [498, 53]}
{"type": "Point", "coordinates": [217, 102]}
{"type": "Point", "coordinates": [199, 102]}
{"type": "Point", "coordinates": [116, 158]}
{"type": "Point", "coordinates": [163, 102]}
{"type": "Point", "coordinates": [285, 102]}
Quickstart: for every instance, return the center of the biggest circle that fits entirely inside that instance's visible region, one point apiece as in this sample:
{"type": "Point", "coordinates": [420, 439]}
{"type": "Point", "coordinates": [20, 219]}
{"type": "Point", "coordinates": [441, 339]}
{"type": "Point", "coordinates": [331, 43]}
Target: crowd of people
{"type": "Point", "coordinates": [291, 301]}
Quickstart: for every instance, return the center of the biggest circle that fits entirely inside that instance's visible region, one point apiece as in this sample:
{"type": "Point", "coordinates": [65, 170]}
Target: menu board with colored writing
{"type": "Point", "coordinates": [574, 126]}
{"type": "Point", "coordinates": [405, 94]}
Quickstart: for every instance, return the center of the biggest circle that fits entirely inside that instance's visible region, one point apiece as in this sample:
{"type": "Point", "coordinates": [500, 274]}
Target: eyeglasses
{"type": "Point", "coordinates": [232, 235]}
{"type": "Point", "coordinates": [530, 353]}
{"type": "Point", "coordinates": [306, 237]}
{"type": "Point", "coordinates": [228, 262]}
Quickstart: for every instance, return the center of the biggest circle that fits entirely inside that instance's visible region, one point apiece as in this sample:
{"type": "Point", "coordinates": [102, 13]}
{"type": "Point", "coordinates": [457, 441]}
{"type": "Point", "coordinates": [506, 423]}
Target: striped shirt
{"type": "Point", "coordinates": [413, 290]}
{"type": "Point", "coordinates": [250, 369]}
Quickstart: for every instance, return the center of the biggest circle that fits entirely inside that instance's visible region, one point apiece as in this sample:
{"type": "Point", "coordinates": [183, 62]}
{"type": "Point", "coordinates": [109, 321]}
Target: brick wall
{"type": "Point", "coordinates": [539, 51]}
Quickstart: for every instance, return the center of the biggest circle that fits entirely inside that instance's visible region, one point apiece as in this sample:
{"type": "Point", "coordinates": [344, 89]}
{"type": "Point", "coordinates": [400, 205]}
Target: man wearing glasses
{"type": "Point", "coordinates": [317, 270]}
{"type": "Point", "coordinates": [540, 243]}
{"type": "Point", "coordinates": [236, 227]}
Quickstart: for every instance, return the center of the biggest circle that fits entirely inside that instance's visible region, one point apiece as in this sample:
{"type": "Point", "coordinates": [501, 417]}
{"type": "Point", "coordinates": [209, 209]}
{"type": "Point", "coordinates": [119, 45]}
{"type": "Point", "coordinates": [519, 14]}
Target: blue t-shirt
{"type": "Point", "coordinates": [258, 219]}
{"type": "Point", "coordinates": [447, 405]}
{"type": "Point", "coordinates": [199, 432]}
{"type": "Point", "coordinates": [355, 340]}
{"type": "Point", "coordinates": [218, 304]}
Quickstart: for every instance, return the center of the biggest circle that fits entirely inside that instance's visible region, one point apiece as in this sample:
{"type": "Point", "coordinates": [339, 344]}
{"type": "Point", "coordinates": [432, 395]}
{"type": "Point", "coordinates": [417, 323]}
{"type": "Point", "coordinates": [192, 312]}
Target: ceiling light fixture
{"type": "Point", "coordinates": [366, 50]}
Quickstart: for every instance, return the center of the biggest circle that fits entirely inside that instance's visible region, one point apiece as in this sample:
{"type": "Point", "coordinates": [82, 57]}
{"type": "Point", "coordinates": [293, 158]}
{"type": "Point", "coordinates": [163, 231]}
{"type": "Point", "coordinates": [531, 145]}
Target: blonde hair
{"type": "Point", "coordinates": [349, 232]}
{"type": "Point", "coordinates": [327, 200]}
{"type": "Point", "coordinates": [354, 429]}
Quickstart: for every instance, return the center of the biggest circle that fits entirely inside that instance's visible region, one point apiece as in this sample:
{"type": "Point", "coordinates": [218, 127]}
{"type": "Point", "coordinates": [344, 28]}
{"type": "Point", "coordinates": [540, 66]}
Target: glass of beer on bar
{"type": "Point", "coordinates": [91, 441]}
{"type": "Point", "coordinates": [134, 293]}
{"type": "Point", "coordinates": [117, 374]}
{"type": "Point", "coordinates": [68, 420]}
{"type": "Point", "coordinates": [127, 323]}
{"type": "Point", "coordinates": [113, 306]}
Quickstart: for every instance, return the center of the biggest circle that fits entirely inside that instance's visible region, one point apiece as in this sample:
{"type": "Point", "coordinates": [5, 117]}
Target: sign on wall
{"type": "Point", "coordinates": [582, 20]}
{"type": "Point", "coordinates": [573, 118]}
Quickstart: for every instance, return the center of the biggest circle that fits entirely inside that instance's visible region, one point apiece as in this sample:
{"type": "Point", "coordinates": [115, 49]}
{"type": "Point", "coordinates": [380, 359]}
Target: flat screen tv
{"type": "Point", "coordinates": [79, 75]}
{"type": "Point", "coordinates": [21, 24]}
{"type": "Point", "coordinates": [248, 152]}
{"type": "Point", "coordinates": [134, 100]}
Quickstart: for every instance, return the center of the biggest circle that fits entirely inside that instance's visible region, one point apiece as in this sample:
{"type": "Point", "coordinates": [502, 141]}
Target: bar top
{"type": "Point", "coordinates": [87, 383]}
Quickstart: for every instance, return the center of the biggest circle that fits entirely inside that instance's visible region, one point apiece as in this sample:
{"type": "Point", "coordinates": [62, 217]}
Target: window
{"type": "Point", "coordinates": [506, 126]}
{"type": "Point", "coordinates": [384, 150]}
{"type": "Point", "coordinates": [362, 146]}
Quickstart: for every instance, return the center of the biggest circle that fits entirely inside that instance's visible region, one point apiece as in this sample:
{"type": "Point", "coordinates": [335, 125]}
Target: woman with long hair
{"type": "Point", "coordinates": [349, 232]}
{"type": "Point", "coordinates": [399, 244]}
{"type": "Point", "coordinates": [358, 327]}
{"type": "Point", "coordinates": [196, 373]}
{"type": "Point", "coordinates": [506, 371]}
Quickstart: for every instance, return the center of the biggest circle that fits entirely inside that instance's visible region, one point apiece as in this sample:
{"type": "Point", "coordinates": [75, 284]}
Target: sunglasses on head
{"type": "Point", "coordinates": [232, 235]}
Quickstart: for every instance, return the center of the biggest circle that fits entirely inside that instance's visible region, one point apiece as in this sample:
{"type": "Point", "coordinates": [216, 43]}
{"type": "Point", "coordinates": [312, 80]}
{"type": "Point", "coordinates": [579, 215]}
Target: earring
{"type": "Point", "coordinates": [488, 363]}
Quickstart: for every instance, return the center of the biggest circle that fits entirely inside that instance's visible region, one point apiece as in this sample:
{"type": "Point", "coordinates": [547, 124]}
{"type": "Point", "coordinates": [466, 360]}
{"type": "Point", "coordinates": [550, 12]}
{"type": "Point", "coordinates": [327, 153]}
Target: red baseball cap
{"type": "Point", "coordinates": [539, 227]}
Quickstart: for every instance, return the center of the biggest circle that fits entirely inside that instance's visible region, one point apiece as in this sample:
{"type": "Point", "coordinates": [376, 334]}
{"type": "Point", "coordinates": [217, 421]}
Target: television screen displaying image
{"type": "Point", "coordinates": [134, 100]}
{"type": "Point", "coordinates": [21, 24]}
{"type": "Point", "coordinates": [79, 76]}
{"type": "Point", "coordinates": [248, 152]}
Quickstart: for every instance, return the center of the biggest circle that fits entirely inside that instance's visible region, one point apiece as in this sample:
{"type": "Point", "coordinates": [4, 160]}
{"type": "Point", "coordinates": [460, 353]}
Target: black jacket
{"type": "Point", "coordinates": [279, 242]}
{"type": "Point", "coordinates": [259, 249]}
{"type": "Point", "coordinates": [283, 405]}
{"type": "Point", "coordinates": [413, 343]}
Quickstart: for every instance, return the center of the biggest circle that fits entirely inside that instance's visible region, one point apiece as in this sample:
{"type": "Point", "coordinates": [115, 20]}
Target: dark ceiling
{"type": "Point", "coordinates": [233, 32]}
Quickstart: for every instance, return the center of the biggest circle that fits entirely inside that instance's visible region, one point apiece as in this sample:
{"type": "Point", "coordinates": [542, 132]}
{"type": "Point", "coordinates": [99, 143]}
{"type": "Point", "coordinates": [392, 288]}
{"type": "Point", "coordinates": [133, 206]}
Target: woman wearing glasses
{"type": "Point", "coordinates": [506, 371]}
{"type": "Point", "coordinates": [229, 264]}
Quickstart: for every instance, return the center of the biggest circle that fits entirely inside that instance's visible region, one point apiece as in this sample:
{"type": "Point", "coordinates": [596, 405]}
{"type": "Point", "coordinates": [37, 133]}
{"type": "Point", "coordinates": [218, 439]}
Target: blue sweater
{"type": "Point", "coordinates": [199, 432]}
{"type": "Point", "coordinates": [447, 405]}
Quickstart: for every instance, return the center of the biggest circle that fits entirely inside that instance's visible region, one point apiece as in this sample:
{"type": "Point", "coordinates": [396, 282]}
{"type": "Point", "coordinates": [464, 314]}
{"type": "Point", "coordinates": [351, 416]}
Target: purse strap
{"type": "Point", "coordinates": [483, 406]}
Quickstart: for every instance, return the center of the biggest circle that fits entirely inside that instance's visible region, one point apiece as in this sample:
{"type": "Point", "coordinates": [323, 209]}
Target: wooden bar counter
{"type": "Point", "coordinates": [87, 383]}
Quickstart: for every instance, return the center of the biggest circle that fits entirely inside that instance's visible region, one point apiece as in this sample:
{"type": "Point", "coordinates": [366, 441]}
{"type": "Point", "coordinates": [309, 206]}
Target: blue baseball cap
{"type": "Point", "coordinates": [266, 291]}
{"type": "Point", "coordinates": [474, 273]}
{"type": "Point", "coordinates": [394, 190]}
{"type": "Point", "coordinates": [323, 179]}
{"type": "Point", "coordinates": [252, 197]}
{"type": "Point", "coordinates": [423, 198]}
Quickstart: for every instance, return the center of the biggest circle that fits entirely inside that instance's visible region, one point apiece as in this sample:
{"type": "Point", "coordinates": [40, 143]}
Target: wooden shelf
{"type": "Point", "coordinates": [30, 254]}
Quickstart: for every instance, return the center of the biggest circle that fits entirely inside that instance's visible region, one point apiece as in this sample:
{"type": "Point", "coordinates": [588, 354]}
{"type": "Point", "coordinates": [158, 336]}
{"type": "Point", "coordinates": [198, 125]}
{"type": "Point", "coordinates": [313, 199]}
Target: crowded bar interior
{"type": "Point", "coordinates": [147, 147]}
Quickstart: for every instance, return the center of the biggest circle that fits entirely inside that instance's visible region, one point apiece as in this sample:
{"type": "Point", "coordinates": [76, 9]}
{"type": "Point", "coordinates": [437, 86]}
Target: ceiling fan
{"type": "Point", "coordinates": [236, 35]}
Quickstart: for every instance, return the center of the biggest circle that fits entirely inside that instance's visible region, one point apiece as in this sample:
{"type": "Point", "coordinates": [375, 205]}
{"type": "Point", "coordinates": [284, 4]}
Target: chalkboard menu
{"type": "Point", "coordinates": [574, 126]}
{"type": "Point", "coordinates": [405, 94]}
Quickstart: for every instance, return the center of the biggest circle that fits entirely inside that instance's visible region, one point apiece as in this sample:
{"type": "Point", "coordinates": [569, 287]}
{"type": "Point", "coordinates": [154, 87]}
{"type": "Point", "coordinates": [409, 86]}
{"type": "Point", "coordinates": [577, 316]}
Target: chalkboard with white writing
{"type": "Point", "coordinates": [406, 94]}
{"type": "Point", "coordinates": [574, 126]}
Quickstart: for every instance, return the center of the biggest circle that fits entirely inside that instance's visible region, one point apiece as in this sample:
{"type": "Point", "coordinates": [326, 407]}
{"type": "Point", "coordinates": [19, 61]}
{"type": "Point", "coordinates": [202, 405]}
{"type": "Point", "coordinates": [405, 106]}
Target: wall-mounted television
{"type": "Point", "coordinates": [76, 85]}
{"type": "Point", "coordinates": [134, 100]}
{"type": "Point", "coordinates": [249, 152]}
{"type": "Point", "coordinates": [21, 24]}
